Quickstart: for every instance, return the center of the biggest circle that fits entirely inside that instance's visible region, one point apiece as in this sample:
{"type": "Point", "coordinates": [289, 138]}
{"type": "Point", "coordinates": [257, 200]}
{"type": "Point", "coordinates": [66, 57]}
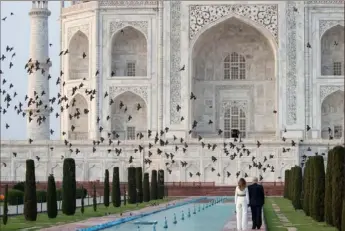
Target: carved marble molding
{"type": "Point", "coordinates": [175, 61]}
{"type": "Point", "coordinates": [324, 25]}
{"type": "Point", "coordinates": [142, 26]}
{"type": "Point", "coordinates": [327, 90]}
{"type": "Point", "coordinates": [324, 2]}
{"type": "Point", "coordinates": [141, 91]}
{"type": "Point", "coordinates": [202, 15]}
{"type": "Point", "coordinates": [72, 30]}
{"type": "Point", "coordinates": [249, 114]}
{"type": "Point", "coordinates": [291, 77]}
{"type": "Point", "coordinates": [129, 3]}
{"type": "Point", "coordinates": [242, 104]}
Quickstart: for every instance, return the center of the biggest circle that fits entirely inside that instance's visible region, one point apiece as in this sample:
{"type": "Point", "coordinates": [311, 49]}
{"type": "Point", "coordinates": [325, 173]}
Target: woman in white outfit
{"type": "Point", "coordinates": [242, 202]}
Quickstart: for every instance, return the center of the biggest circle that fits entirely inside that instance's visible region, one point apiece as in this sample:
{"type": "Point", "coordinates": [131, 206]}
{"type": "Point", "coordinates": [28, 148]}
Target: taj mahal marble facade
{"type": "Point", "coordinates": [243, 60]}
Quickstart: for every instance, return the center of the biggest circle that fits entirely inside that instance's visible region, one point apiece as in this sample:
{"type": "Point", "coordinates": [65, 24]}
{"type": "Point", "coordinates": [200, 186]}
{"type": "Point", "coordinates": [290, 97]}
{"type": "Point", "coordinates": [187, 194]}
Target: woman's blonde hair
{"type": "Point", "coordinates": [242, 184]}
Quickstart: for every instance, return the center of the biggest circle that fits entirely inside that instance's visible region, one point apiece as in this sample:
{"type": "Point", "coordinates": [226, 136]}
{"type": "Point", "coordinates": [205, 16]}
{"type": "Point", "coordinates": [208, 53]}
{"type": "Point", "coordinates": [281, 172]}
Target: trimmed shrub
{"type": "Point", "coordinates": [291, 183]}
{"type": "Point", "coordinates": [30, 198]}
{"type": "Point", "coordinates": [41, 196]}
{"type": "Point", "coordinates": [94, 200]}
{"type": "Point", "coordinates": [106, 188]}
{"type": "Point", "coordinates": [116, 192]}
{"type": "Point", "coordinates": [15, 197]}
{"type": "Point", "coordinates": [154, 193]}
{"type": "Point", "coordinates": [79, 193]}
{"type": "Point", "coordinates": [69, 186]}
{"type": "Point", "coordinates": [51, 198]}
{"type": "Point", "coordinates": [311, 185]}
{"type": "Point", "coordinates": [5, 212]}
{"type": "Point", "coordinates": [338, 170]}
{"type": "Point", "coordinates": [124, 195]}
{"type": "Point", "coordinates": [82, 203]}
{"type": "Point", "coordinates": [318, 205]}
{"type": "Point", "coordinates": [131, 188]}
{"type": "Point", "coordinates": [160, 184]}
{"type": "Point", "coordinates": [343, 217]}
{"type": "Point", "coordinates": [297, 188]}
{"type": "Point", "coordinates": [306, 192]}
{"type": "Point", "coordinates": [19, 186]}
{"type": "Point", "coordinates": [286, 184]}
{"type": "Point", "coordinates": [146, 188]}
{"type": "Point", "coordinates": [139, 183]}
{"type": "Point", "coordinates": [328, 189]}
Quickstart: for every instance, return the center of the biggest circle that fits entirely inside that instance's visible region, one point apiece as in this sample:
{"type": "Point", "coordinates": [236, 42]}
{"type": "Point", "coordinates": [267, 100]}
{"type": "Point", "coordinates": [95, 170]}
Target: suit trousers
{"type": "Point", "coordinates": [256, 216]}
{"type": "Point", "coordinates": [241, 213]}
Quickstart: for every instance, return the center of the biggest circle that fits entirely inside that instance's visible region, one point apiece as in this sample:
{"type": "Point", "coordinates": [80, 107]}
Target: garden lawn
{"type": "Point", "coordinates": [297, 218]}
{"type": "Point", "coordinates": [271, 218]}
{"type": "Point", "coordinates": [18, 222]}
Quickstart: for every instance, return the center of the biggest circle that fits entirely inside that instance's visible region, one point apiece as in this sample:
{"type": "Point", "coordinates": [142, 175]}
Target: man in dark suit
{"type": "Point", "coordinates": [256, 201]}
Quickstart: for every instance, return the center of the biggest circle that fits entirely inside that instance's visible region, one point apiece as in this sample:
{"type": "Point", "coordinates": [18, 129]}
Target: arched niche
{"type": "Point", "coordinates": [78, 56]}
{"type": "Point", "coordinates": [80, 120]}
{"type": "Point", "coordinates": [233, 46]}
{"type": "Point", "coordinates": [128, 53]}
{"type": "Point", "coordinates": [191, 169]}
{"type": "Point", "coordinates": [120, 123]}
{"type": "Point", "coordinates": [332, 115]}
{"type": "Point", "coordinates": [332, 51]}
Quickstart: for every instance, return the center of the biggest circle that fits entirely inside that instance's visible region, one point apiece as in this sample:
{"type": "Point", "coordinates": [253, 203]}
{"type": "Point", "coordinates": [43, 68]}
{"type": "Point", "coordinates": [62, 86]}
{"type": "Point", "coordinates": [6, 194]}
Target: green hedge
{"type": "Point", "coordinates": [318, 192]}
{"type": "Point", "coordinates": [19, 186]}
{"type": "Point", "coordinates": [139, 183]}
{"type": "Point", "coordinates": [52, 210]}
{"type": "Point", "coordinates": [30, 198]}
{"type": "Point", "coordinates": [338, 173]}
{"type": "Point", "coordinates": [154, 193]}
{"type": "Point", "coordinates": [79, 193]}
{"type": "Point", "coordinates": [41, 196]}
{"type": "Point", "coordinates": [343, 217]}
{"type": "Point", "coordinates": [328, 189]}
{"type": "Point", "coordinates": [132, 189]}
{"type": "Point", "coordinates": [69, 187]}
{"type": "Point", "coordinates": [311, 185]}
{"type": "Point", "coordinates": [146, 187]}
{"type": "Point", "coordinates": [116, 192]}
{"type": "Point", "coordinates": [306, 192]}
{"type": "Point", "coordinates": [286, 183]}
{"type": "Point", "coordinates": [15, 197]}
{"type": "Point", "coordinates": [160, 184]}
{"type": "Point", "coordinates": [5, 207]}
{"type": "Point", "coordinates": [106, 188]}
{"type": "Point", "coordinates": [297, 186]}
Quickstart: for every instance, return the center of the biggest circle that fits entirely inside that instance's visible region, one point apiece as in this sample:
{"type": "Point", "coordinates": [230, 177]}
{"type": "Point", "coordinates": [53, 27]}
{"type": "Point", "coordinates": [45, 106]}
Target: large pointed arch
{"type": "Point", "coordinates": [80, 118]}
{"type": "Point", "coordinates": [258, 49]}
{"type": "Point", "coordinates": [128, 53]}
{"type": "Point", "coordinates": [78, 59]}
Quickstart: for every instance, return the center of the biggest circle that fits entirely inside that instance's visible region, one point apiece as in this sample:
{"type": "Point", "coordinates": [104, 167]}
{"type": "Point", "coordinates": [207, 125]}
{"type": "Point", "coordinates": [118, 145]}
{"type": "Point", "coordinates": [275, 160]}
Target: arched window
{"type": "Point", "coordinates": [234, 118]}
{"type": "Point", "coordinates": [234, 66]}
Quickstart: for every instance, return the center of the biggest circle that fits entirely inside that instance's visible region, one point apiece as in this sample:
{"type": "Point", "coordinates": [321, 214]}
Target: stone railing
{"type": "Point", "coordinates": [78, 135]}
{"type": "Point", "coordinates": [128, 3]}
{"type": "Point", "coordinates": [80, 7]}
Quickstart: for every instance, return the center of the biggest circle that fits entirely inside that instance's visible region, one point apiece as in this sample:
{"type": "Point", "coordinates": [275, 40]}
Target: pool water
{"type": "Point", "coordinates": [212, 218]}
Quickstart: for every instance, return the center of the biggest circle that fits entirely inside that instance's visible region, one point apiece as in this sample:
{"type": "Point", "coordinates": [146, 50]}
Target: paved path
{"type": "Point", "coordinates": [282, 218]}
{"type": "Point", "coordinates": [230, 225]}
{"type": "Point", "coordinates": [101, 220]}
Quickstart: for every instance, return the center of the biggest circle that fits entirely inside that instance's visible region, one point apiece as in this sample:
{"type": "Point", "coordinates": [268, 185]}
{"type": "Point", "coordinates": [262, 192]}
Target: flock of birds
{"type": "Point", "coordinates": [233, 149]}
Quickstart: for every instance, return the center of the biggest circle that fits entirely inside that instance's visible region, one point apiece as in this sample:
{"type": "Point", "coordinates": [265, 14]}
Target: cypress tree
{"type": "Point", "coordinates": [306, 192]}
{"type": "Point", "coordinates": [106, 188]}
{"type": "Point", "coordinates": [160, 184]}
{"type": "Point", "coordinates": [343, 217]}
{"type": "Point", "coordinates": [131, 188]}
{"type": "Point", "coordinates": [69, 187]}
{"type": "Point", "coordinates": [30, 199]}
{"type": "Point", "coordinates": [338, 173]}
{"type": "Point", "coordinates": [319, 189]}
{"type": "Point", "coordinates": [328, 189]}
{"type": "Point", "coordinates": [5, 207]}
{"type": "Point", "coordinates": [51, 198]}
{"type": "Point", "coordinates": [297, 188]}
{"type": "Point", "coordinates": [82, 201]}
{"type": "Point", "coordinates": [311, 185]}
{"type": "Point", "coordinates": [291, 183]}
{"type": "Point", "coordinates": [94, 200]}
{"type": "Point", "coordinates": [146, 188]}
{"type": "Point", "coordinates": [116, 192]}
{"type": "Point", "coordinates": [139, 184]}
{"type": "Point", "coordinates": [286, 183]}
{"type": "Point", "coordinates": [154, 195]}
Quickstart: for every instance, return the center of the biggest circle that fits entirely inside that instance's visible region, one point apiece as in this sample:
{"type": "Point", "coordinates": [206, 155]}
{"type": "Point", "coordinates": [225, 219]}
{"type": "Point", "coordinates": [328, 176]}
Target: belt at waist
{"type": "Point", "coordinates": [239, 195]}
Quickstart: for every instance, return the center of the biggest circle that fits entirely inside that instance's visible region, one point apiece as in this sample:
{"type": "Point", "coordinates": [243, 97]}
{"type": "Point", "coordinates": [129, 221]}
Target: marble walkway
{"type": "Point", "coordinates": [230, 225]}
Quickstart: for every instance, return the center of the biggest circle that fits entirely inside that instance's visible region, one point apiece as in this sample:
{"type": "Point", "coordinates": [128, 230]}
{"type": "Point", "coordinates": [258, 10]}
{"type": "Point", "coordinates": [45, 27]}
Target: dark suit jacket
{"type": "Point", "coordinates": [256, 195]}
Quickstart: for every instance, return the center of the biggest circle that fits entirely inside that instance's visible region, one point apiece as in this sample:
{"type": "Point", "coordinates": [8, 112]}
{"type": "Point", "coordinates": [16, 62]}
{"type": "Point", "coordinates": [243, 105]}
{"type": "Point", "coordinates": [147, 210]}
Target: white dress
{"type": "Point", "coordinates": [241, 202]}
